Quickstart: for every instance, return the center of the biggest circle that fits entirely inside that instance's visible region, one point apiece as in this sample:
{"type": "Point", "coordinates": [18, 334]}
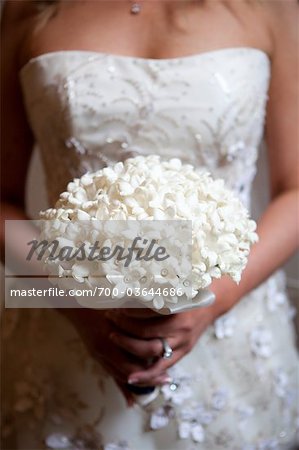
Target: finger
{"type": "Point", "coordinates": [140, 313]}
{"type": "Point", "coordinates": [143, 329]}
{"type": "Point", "coordinates": [144, 349]}
{"type": "Point", "coordinates": [160, 380]}
{"type": "Point", "coordinates": [146, 376]}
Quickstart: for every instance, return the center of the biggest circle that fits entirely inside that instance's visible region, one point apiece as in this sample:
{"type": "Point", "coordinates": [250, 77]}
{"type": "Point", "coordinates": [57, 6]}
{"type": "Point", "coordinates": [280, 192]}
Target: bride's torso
{"type": "Point", "coordinates": [92, 108]}
{"type": "Point", "coordinates": [89, 109]}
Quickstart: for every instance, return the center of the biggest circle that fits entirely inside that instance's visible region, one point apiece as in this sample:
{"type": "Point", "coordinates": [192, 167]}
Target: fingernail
{"type": "Point", "coordinates": [166, 380]}
{"type": "Point", "coordinates": [133, 380]}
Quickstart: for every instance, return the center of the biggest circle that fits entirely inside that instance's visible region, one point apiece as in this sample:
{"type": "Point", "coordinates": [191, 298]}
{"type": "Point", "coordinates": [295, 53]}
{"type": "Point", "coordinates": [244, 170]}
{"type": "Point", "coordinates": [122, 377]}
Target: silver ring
{"type": "Point", "coordinates": [167, 350]}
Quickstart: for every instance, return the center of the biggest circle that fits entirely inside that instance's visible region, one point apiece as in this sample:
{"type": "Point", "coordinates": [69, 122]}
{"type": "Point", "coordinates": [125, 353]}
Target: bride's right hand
{"type": "Point", "coordinates": [95, 330]}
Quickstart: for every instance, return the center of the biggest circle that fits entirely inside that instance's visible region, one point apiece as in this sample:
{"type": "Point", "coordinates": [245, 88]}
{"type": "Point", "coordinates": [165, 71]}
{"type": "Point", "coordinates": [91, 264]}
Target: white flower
{"type": "Point", "coordinates": [122, 445]}
{"type": "Point", "coordinates": [148, 189]}
{"type": "Point", "coordinates": [57, 440]}
{"type": "Point", "coordinates": [179, 389]}
{"type": "Point", "coordinates": [161, 417]}
{"type": "Point", "coordinates": [261, 342]}
{"type": "Point", "coordinates": [197, 413]}
{"type": "Point", "coordinates": [275, 297]}
{"type": "Point", "coordinates": [224, 326]}
{"type": "Point", "coordinates": [281, 382]}
{"type": "Point", "coordinates": [176, 393]}
{"type": "Point", "coordinates": [276, 300]}
{"type": "Point", "coordinates": [193, 430]}
{"type": "Point", "coordinates": [268, 444]}
{"type": "Point", "coordinates": [244, 412]}
{"type": "Point", "coordinates": [219, 399]}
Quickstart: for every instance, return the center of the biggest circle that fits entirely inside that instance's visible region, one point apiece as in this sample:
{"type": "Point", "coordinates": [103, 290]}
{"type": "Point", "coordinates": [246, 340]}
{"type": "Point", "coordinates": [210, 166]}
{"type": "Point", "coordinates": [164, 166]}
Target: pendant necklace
{"type": "Point", "coordinates": [135, 8]}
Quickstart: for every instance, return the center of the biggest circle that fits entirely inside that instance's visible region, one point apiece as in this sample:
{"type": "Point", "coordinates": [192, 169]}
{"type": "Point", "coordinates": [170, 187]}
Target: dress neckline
{"type": "Point", "coordinates": [128, 58]}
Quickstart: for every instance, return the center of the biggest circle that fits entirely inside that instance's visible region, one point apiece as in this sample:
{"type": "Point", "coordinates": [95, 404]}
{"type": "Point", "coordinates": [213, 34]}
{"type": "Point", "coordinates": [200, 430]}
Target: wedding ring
{"type": "Point", "coordinates": [167, 350]}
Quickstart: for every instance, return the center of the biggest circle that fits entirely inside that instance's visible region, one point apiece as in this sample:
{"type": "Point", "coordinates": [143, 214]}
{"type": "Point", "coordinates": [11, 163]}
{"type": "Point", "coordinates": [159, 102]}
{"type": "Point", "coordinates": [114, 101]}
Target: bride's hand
{"type": "Point", "coordinates": [138, 332]}
{"type": "Point", "coordinates": [95, 330]}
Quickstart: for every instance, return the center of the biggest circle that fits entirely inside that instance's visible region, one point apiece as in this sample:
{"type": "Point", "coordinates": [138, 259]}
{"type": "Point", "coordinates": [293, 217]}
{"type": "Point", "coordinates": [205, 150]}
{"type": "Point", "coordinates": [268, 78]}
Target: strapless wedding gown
{"type": "Point", "coordinates": [237, 387]}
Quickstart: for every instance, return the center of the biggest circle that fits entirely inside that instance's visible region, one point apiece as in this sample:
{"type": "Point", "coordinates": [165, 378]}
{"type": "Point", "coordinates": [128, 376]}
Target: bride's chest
{"type": "Point", "coordinates": [202, 99]}
{"type": "Point", "coordinates": [94, 109]}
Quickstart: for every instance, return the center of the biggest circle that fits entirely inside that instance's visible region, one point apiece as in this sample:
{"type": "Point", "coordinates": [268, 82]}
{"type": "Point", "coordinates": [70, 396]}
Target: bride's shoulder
{"type": "Point", "coordinates": [282, 16]}
{"type": "Point", "coordinates": [19, 21]}
{"type": "Point", "coordinates": [279, 6]}
{"type": "Point", "coordinates": [15, 12]}
{"type": "Point", "coordinates": [15, 20]}
{"type": "Point", "coordinates": [280, 20]}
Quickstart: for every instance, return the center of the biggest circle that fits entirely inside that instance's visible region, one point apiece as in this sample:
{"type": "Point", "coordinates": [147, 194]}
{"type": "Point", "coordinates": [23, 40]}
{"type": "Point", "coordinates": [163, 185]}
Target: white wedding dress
{"type": "Point", "coordinates": [237, 388]}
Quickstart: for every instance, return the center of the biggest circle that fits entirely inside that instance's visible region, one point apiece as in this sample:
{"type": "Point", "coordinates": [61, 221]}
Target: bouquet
{"type": "Point", "coordinates": [204, 229]}
{"type": "Point", "coordinates": [207, 229]}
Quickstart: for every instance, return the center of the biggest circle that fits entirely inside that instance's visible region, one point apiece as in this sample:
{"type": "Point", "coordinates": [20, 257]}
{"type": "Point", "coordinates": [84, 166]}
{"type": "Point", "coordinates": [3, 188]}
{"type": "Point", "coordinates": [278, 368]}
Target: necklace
{"type": "Point", "coordinates": [135, 8]}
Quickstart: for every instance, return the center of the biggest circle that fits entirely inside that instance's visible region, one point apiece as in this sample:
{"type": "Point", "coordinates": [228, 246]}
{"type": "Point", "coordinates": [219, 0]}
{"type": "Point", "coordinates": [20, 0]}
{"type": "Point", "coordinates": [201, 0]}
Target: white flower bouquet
{"type": "Point", "coordinates": [112, 203]}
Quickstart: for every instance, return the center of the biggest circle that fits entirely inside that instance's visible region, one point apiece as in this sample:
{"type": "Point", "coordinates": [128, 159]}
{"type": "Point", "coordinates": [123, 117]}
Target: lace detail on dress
{"type": "Point", "coordinates": [196, 421]}
{"type": "Point", "coordinates": [201, 403]}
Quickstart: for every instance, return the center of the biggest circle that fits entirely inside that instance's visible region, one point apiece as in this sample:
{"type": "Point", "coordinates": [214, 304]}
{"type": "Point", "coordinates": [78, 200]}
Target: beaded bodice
{"type": "Point", "coordinates": [90, 109]}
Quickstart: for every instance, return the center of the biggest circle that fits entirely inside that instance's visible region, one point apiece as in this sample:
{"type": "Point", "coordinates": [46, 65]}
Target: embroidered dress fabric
{"type": "Point", "coordinates": [237, 388]}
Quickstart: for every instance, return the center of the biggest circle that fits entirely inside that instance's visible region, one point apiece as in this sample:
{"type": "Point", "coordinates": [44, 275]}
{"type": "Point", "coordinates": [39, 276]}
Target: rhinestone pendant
{"type": "Point", "coordinates": [135, 8]}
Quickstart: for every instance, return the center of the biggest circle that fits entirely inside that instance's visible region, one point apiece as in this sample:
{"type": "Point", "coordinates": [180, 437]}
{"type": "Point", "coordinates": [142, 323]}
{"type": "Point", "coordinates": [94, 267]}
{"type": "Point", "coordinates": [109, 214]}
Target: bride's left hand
{"type": "Point", "coordinates": [139, 331]}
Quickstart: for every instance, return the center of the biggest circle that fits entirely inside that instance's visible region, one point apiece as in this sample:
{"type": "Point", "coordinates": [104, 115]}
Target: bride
{"type": "Point", "coordinates": [94, 82]}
